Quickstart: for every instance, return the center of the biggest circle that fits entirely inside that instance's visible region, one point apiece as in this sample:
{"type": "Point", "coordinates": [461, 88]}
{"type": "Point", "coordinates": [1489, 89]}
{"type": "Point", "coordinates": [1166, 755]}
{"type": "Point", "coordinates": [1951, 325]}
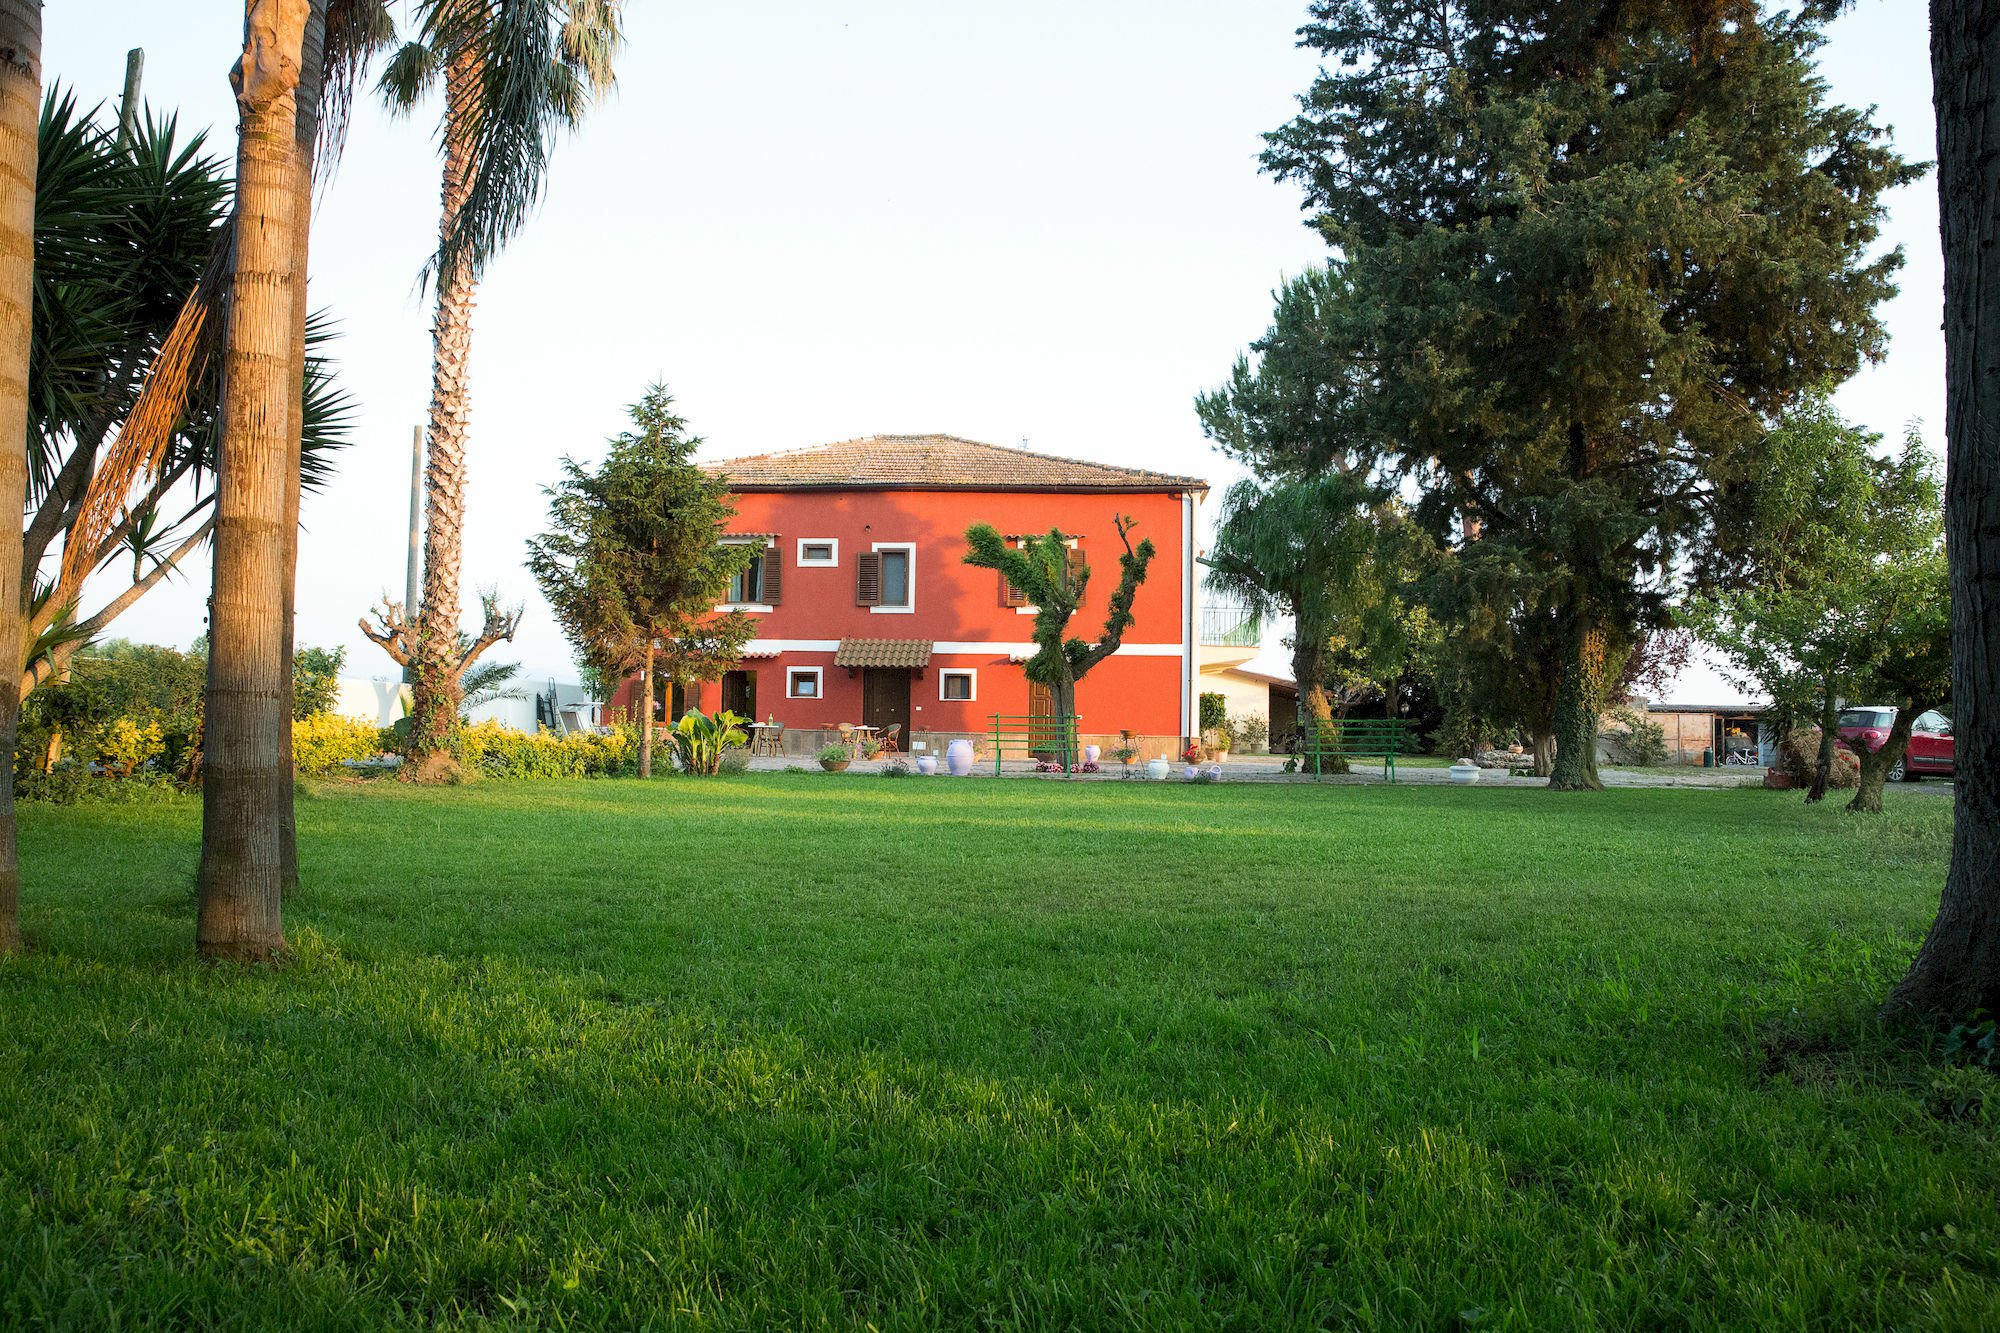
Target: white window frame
{"type": "Point", "coordinates": [819, 682]}
{"type": "Point", "coordinates": [910, 587]}
{"type": "Point", "coordinates": [970, 673]}
{"type": "Point", "coordinates": [753, 608]}
{"type": "Point", "coordinates": [831, 563]}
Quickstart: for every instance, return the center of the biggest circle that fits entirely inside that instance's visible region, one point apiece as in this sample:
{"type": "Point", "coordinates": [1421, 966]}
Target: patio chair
{"type": "Point", "coordinates": [888, 737]}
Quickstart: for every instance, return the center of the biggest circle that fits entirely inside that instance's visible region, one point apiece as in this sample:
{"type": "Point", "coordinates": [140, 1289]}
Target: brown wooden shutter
{"type": "Point", "coordinates": [774, 581]}
{"type": "Point", "coordinates": [868, 579]}
{"type": "Point", "coordinates": [1075, 563]}
{"type": "Point", "coordinates": [1011, 595]}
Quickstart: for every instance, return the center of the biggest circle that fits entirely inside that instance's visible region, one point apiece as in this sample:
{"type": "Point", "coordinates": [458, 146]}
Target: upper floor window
{"type": "Point", "coordinates": [885, 578]}
{"type": "Point", "coordinates": [820, 552]}
{"type": "Point", "coordinates": [895, 578]}
{"type": "Point", "coordinates": [748, 585]}
{"type": "Point", "coordinates": [758, 585]}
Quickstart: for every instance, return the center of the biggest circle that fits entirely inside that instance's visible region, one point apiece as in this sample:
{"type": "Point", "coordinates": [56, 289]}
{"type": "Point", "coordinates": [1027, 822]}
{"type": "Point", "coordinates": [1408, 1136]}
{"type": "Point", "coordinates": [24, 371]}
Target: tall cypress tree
{"type": "Point", "coordinates": [1589, 252]}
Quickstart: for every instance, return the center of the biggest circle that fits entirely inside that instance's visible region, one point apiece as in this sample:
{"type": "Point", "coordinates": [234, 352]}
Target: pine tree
{"type": "Point", "coordinates": [632, 564]}
{"type": "Point", "coordinates": [1587, 254]}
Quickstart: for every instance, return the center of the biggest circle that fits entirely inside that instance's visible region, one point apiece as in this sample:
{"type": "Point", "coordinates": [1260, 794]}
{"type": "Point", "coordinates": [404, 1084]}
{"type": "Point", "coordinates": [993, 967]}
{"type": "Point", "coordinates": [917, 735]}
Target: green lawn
{"type": "Point", "coordinates": [799, 1051]}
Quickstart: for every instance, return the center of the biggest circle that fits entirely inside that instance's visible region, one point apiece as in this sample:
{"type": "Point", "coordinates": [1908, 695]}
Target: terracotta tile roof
{"type": "Point", "coordinates": [883, 653]}
{"type": "Point", "coordinates": [935, 463]}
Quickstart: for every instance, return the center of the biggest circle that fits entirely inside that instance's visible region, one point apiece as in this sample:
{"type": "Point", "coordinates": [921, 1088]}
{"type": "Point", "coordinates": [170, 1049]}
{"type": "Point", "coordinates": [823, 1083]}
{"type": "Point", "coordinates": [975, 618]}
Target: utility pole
{"type": "Point", "coordinates": [416, 552]}
{"type": "Point", "coordinates": [128, 106]}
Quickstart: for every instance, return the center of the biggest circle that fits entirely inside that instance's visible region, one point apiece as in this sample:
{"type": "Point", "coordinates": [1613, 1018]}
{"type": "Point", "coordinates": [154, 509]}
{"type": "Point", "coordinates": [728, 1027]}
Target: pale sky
{"type": "Point", "coordinates": [816, 220]}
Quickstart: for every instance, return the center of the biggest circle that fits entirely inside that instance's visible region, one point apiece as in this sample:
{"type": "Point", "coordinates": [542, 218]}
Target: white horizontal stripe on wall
{"type": "Point", "coordinates": [957, 648]}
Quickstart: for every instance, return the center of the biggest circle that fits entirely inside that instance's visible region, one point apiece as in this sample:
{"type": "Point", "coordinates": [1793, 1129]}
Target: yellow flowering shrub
{"type": "Point", "coordinates": [124, 745]}
{"type": "Point", "coordinates": [497, 751]}
{"type": "Point", "coordinates": [322, 742]}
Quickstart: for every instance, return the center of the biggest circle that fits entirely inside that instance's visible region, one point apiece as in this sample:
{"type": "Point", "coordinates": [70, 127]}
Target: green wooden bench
{"type": "Point", "coordinates": [1384, 738]}
{"type": "Point", "coordinates": [1029, 734]}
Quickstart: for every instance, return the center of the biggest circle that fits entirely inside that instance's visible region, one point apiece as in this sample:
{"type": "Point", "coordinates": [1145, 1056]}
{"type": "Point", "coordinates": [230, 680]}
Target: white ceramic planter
{"type": "Point", "coordinates": [1464, 772]}
{"type": "Point", "coordinates": [1090, 753]}
{"type": "Point", "coordinates": [1157, 770]}
{"type": "Point", "coordinates": [1215, 772]}
{"type": "Point", "coordinates": [958, 758]}
{"type": "Point", "coordinates": [927, 764]}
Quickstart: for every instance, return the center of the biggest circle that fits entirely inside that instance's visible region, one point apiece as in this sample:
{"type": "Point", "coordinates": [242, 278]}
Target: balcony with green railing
{"type": "Point", "coordinates": [1229, 626]}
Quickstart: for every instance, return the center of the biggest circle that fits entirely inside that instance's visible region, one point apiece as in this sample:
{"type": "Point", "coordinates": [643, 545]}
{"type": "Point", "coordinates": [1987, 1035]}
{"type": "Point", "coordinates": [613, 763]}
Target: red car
{"type": "Point", "coordinates": [1929, 752]}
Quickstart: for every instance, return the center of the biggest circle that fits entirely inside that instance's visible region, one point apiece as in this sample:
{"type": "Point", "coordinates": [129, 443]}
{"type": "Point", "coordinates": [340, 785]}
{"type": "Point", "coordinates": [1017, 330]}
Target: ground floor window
{"type": "Point", "coordinates": [802, 683]}
{"type": "Point", "coordinates": [958, 686]}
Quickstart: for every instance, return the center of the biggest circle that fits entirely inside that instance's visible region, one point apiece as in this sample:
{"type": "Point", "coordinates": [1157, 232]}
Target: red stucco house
{"type": "Point", "coordinates": [866, 613]}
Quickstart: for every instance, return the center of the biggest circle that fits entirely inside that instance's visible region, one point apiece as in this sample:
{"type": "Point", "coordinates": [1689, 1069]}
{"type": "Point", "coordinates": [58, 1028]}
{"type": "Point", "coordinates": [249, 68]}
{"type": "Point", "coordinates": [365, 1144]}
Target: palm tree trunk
{"type": "Point", "coordinates": [436, 706]}
{"type": "Point", "coordinates": [646, 715]}
{"type": "Point", "coordinates": [312, 85]}
{"type": "Point", "coordinates": [249, 699]}
{"type": "Point", "coordinates": [1958, 968]}
{"type": "Point", "coordinates": [20, 112]}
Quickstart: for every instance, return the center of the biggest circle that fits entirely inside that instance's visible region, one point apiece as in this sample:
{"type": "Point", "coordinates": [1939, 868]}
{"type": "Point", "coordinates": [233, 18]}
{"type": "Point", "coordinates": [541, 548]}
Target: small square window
{"type": "Point", "coordinates": [957, 686]}
{"type": "Point", "coordinates": [802, 684]}
{"type": "Point", "coordinates": [819, 552]}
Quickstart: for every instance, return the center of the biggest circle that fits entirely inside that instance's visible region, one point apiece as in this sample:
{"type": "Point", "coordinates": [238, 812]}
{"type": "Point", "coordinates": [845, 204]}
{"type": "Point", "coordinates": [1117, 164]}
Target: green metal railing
{"type": "Point", "coordinates": [1030, 734]}
{"type": "Point", "coordinates": [1323, 744]}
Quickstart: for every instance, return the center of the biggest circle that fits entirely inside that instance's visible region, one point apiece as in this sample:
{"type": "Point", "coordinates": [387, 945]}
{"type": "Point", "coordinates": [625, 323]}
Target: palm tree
{"type": "Point", "coordinates": [20, 104]}
{"type": "Point", "coordinates": [514, 74]}
{"type": "Point", "coordinates": [246, 720]}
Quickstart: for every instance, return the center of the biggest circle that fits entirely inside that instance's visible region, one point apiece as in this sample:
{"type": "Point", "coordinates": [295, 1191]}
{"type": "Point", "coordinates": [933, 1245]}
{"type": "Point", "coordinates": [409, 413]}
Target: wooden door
{"type": "Point", "coordinates": [739, 693]}
{"type": "Point", "coordinates": [885, 701]}
{"type": "Point", "coordinates": [1042, 708]}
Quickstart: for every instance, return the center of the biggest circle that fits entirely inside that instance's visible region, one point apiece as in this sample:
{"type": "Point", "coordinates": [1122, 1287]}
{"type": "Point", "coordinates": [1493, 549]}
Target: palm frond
{"type": "Point", "coordinates": [537, 66]}
{"type": "Point", "coordinates": [329, 409]}
{"type": "Point", "coordinates": [409, 74]}
{"type": "Point", "coordinates": [356, 32]}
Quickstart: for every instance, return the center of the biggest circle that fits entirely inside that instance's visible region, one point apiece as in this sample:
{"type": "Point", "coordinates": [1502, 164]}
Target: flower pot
{"type": "Point", "coordinates": [958, 758]}
{"type": "Point", "coordinates": [1215, 772]}
{"type": "Point", "coordinates": [1189, 772]}
{"type": "Point", "coordinates": [927, 764]}
{"type": "Point", "coordinates": [1464, 772]}
{"type": "Point", "coordinates": [1090, 753]}
{"type": "Point", "coordinates": [1776, 779]}
{"type": "Point", "coordinates": [1157, 770]}
{"type": "Point", "coordinates": [835, 765]}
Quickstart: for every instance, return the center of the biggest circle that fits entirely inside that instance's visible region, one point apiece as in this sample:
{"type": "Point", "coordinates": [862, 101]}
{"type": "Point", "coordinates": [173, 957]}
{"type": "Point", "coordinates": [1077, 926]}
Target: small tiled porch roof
{"type": "Point", "coordinates": [883, 653]}
{"type": "Point", "coordinates": [936, 463]}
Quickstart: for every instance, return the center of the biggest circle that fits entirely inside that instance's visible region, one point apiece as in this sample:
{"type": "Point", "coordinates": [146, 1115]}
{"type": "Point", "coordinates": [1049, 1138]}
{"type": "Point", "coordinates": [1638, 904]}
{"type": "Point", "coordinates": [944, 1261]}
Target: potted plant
{"type": "Point", "coordinates": [835, 757]}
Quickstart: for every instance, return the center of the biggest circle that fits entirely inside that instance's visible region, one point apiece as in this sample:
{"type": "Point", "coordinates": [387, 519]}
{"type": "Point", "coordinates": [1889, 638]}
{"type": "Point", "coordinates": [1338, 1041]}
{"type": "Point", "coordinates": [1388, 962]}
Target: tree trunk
{"type": "Point", "coordinates": [646, 715]}
{"type": "Point", "coordinates": [1545, 753]}
{"type": "Point", "coordinates": [436, 705]}
{"type": "Point", "coordinates": [1828, 730]}
{"type": "Point", "coordinates": [1309, 670]}
{"type": "Point", "coordinates": [1580, 694]}
{"type": "Point", "coordinates": [312, 77]}
{"type": "Point", "coordinates": [20, 113]}
{"type": "Point", "coordinates": [1063, 694]}
{"type": "Point", "coordinates": [1875, 767]}
{"type": "Point", "coordinates": [1958, 968]}
{"type": "Point", "coordinates": [249, 699]}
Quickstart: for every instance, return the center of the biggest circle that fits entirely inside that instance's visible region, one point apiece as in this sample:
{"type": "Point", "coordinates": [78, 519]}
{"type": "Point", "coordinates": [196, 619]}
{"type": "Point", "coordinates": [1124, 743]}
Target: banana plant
{"type": "Point", "coordinates": [699, 739]}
